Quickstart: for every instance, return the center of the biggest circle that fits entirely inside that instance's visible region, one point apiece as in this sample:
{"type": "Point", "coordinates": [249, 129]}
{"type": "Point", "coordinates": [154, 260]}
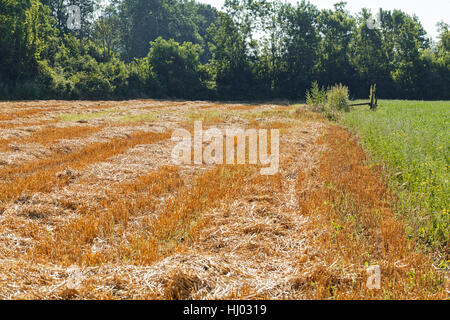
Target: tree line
{"type": "Point", "coordinates": [251, 49]}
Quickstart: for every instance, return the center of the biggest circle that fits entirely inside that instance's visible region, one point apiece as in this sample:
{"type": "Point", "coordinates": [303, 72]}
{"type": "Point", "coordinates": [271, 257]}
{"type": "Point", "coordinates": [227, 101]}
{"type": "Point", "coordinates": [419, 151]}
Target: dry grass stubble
{"type": "Point", "coordinates": [204, 233]}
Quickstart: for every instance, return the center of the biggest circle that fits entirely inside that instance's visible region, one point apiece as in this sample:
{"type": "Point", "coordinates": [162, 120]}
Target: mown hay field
{"type": "Point", "coordinates": [93, 207]}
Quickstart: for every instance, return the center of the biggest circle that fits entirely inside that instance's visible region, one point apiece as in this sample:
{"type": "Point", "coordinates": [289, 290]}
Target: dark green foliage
{"type": "Point", "coordinates": [302, 42]}
{"type": "Point", "coordinates": [254, 49]}
{"type": "Point", "coordinates": [142, 21]}
{"type": "Point", "coordinates": [25, 32]}
{"type": "Point", "coordinates": [177, 67]}
{"type": "Point", "coordinates": [59, 10]}
{"type": "Point", "coordinates": [231, 62]}
{"type": "Point", "coordinates": [316, 96]}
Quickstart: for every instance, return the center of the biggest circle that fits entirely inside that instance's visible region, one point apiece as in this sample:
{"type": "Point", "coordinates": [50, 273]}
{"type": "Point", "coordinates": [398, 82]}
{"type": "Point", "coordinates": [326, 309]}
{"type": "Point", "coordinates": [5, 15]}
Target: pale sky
{"type": "Point", "coordinates": [430, 12]}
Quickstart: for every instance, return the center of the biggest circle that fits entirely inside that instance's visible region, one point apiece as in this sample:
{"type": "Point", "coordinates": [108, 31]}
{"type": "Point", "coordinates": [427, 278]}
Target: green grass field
{"type": "Point", "coordinates": [411, 139]}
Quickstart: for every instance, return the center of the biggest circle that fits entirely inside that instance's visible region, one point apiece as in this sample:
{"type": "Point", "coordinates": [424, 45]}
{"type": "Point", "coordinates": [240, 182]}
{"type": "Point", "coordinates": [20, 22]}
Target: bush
{"type": "Point", "coordinates": [91, 86]}
{"type": "Point", "coordinates": [337, 98]}
{"type": "Point", "coordinates": [316, 96]}
{"type": "Point", "coordinates": [117, 73]}
{"type": "Point", "coordinates": [177, 67]}
{"type": "Point", "coordinates": [142, 80]}
{"type": "Point", "coordinates": [337, 102]}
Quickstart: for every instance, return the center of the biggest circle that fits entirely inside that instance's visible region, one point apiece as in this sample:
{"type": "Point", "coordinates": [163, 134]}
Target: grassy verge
{"type": "Point", "coordinates": [354, 225]}
{"type": "Point", "coordinates": [411, 139]}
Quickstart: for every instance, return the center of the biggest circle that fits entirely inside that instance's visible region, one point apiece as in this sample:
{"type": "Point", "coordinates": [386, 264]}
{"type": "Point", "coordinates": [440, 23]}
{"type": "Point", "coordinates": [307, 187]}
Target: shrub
{"type": "Point", "coordinates": [316, 96]}
{"type": "Point", "coordinates": [177, 67]}
{"type": "Point", "coordinates": [47, 78]}
{"type": "Point", "coordinates": [337, 102]}
{"type": "Point", "coordinates": [117, 73]}
{"type": "Point", "coordinates": [337, 98]}
{"type": "Point", "coordinates": [142, 80]}
{"type": "Point", "coordinates": [91, 86]}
